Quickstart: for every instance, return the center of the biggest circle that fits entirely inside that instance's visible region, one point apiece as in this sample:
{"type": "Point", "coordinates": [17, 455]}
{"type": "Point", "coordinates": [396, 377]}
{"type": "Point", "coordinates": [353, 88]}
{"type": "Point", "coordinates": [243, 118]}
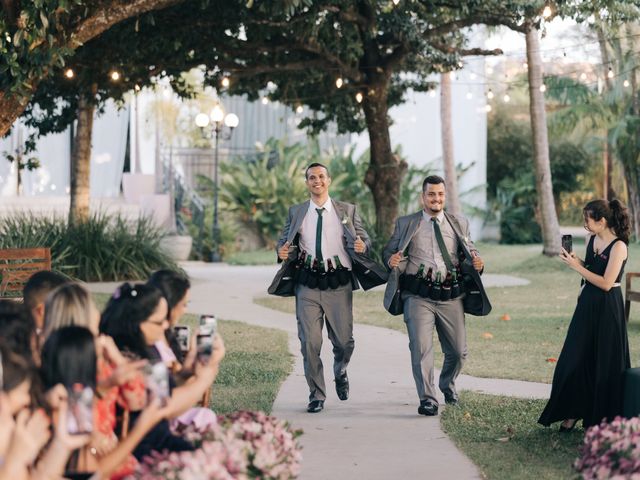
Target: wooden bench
{"type": "Point", "coordinates": [17, 265]}
{"type": "Point", "coordinates": [630, 295]}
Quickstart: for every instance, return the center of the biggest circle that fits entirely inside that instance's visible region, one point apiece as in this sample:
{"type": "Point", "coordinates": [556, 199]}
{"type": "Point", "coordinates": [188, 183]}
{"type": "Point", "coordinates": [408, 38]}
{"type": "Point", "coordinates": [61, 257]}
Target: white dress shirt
{"type": "Point", "coordinates": [332, 234]}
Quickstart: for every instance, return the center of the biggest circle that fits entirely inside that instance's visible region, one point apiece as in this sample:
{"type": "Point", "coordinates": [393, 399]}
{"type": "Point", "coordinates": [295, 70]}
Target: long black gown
{"type": "Point", "coordinates": [588, 379]}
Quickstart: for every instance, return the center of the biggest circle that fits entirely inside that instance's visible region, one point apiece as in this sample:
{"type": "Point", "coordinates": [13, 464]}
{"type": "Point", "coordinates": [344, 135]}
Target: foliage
{"type": "Point", "coordinates": [244, 445]}
{"type": "Point", "coordinates": [611, 450]}
{"type": "Point", "coordinates": [105, 248]}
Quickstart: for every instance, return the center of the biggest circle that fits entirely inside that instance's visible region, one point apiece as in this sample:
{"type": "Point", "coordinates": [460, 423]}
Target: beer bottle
{"type": "Point", "coordinates": [332, 276]}
{"type": "Point", "coordinates": [414, 282]}
{"type": "Point", "coordinates": [455, 285]}
{"type": "Point", "coordinates": [303, 278]}
{"type": "Point", "coordinates": [344, 276]}
{"type": "Point", "coordinates": [425, 284]}
{"type": "Point", "coordinates": [446, 288]}
{"type": "Point", "coordinates": [298, 266]}
{"type": "Point", "coordinates": [323, 281]}
{"type": "Point", "coordinates": [436, 288]}
{"type": "Point", "coordinates": [312, 280]}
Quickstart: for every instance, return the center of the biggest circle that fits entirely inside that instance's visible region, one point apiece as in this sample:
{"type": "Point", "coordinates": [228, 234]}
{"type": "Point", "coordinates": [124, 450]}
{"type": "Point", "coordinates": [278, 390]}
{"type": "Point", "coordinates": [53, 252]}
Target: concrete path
{"type": "Point", "coordinates": [376, 434]}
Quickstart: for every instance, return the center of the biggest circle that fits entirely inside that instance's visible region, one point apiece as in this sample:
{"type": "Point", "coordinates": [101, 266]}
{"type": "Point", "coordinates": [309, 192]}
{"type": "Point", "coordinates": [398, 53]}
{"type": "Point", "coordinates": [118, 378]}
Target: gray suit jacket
{"type": "Point", "coordinates": [364, 269]}
{"type": "Point", "coordinates": [405, 229]}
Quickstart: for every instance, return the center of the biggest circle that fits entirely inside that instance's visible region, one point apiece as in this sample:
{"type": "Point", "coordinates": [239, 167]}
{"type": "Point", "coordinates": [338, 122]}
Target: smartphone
{"type": "Point", "coordinates": [204, 345]}
{"type": "Point", "coordinates": [567, 243]}
{"type": "Point", "coordinates": [157, 379]}
{"type": "Point", "coordinates": [183, 335]}
{"type": "Point", "coordinates": [80, 413]}
{"type": "Point", "coordinates": [208, 325]}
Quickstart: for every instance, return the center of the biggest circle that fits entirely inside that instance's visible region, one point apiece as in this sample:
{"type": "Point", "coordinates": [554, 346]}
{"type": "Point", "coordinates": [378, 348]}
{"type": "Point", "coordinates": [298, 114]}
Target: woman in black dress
{"type": "Point", "coordinates": [587, 382]}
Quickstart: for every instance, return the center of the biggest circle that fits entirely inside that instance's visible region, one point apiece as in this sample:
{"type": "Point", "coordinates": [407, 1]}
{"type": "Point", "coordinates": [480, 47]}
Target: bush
{"type": "Point", "coordinates": [105, 248]}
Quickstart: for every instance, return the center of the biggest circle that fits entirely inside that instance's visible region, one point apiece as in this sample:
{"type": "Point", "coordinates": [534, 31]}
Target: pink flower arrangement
{"type": "Point", "coordinates": [611, 451]}
{"type": "Point", "coordinates": [243, 445]}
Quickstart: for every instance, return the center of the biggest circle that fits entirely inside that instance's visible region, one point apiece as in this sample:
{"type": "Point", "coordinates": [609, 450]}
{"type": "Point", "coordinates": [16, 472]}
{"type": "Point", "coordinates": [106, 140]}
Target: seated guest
{"type": "Point", "coordinates": [136, 318]}
{"type": "Point", "coordinates": [35, 293]}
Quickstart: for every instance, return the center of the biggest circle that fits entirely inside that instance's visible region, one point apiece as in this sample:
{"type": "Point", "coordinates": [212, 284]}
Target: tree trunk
{"type": "Point", "coordinates": [633, 189]}
{"type": "Point", "coordinates": [81, 162]}
{"type": "Point", "coordinates": [546, 205]}
{"type": "Point", "coordinates": [386, 170]}
{"type": "Point", "coordinates": [104, 17]}
{"type": "Point", "coordinates": [448, 158]}
{"type": "Point", "coordinates": [608, 85]}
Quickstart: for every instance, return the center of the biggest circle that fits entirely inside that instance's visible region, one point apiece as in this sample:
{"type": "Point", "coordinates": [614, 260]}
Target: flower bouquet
{"type": "Point", "coordinates": [243, 445]}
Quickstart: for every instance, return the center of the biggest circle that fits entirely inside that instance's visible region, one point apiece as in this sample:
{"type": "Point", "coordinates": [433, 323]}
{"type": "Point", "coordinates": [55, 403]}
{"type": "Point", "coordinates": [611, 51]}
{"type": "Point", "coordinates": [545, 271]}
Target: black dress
{"type": "Point", "coordinates": [588, 379]}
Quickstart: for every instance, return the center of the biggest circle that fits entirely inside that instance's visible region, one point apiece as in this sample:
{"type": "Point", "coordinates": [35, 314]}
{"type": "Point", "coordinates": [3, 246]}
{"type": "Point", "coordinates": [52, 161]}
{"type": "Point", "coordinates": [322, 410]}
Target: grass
{"type": "Point", "coordinates": [255, 257]}
{"type": "Point", "coordinates": [502, 437]}
{"type": "Point", "coordinates": [539, 315]}
{"type": "Point", "coordinates": [256, 363]}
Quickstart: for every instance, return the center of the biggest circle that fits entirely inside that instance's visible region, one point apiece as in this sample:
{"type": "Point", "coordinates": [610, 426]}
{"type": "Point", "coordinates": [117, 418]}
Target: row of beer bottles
{"type": "Point", "coordinates": [435, 288]}
{"type": "Point", "coordinates": [315, 265]}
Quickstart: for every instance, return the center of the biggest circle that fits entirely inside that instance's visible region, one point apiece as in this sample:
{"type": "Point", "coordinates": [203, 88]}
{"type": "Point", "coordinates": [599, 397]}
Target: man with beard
{"type": "Point", "coordinates": [424, 243]}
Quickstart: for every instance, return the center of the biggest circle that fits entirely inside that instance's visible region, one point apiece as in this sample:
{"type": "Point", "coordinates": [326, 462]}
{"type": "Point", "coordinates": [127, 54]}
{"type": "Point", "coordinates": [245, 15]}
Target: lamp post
{"type": "Point", "coordinates": [218, 120]}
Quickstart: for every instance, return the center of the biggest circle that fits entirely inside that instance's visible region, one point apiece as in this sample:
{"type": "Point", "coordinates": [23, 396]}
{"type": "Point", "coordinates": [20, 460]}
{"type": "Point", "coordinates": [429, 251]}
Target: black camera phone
{"type": "Point", "coordinates": [567, 243]}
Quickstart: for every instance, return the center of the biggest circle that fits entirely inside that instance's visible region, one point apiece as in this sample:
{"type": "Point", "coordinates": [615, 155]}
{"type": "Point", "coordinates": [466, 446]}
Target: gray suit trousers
{"type": "Point", "coordinates": [421, 315]}
{"type": "Point", "coordinates": [313, 306]}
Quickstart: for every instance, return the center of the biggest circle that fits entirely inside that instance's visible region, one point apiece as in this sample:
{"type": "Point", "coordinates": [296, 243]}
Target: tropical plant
{"type": "Point", "coordinates": [104, 248]}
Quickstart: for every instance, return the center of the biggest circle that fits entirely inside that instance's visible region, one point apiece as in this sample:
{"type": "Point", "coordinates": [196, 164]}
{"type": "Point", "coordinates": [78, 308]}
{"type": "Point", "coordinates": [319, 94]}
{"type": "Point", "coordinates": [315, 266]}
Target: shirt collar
{"type": "Point", "coordinates": [439, 217]}
{"type": "Point", "coordinates": [327, 205]}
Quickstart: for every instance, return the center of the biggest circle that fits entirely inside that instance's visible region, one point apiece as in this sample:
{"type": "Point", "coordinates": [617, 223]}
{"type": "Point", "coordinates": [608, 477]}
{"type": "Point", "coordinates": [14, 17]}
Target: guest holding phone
{"type": "Point", "coordinates": [588, 380]}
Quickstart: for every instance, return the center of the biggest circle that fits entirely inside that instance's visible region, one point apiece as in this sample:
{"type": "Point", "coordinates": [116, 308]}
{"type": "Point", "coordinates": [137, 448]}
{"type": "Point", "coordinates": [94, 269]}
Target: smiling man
{"type": "Point", "coordinates": [425, 248]}
{"type": "Point", "coordinates": [325, 239]}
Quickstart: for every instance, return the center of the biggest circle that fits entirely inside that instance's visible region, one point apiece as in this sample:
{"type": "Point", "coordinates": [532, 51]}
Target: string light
{"type": "Point", "coordinates": [299, 109]}
{"type": "Point", "coordinates": [265, 100]}
{"type": "Point", "coordinates": [610, 73]}
{"type": "Point", "coordinates": [490, 94]}
{"type": "Point", "coordinates": [547, 12]}
{"type": "Point", "coordinates": [225, 82]}
{"type": "Point", "coordinates": [359, 97]}
{"type": "Point", "coordinates": [396, 2]}
{"type": "Point", "coordinates": [339, 82]}
{"type": "Point", "coordinates": [115, 75]}
{"type": "Point", "coordinates": [506, 98]}
{"type": "Point", "coordinates": [488, 107]}
{"type": "Point", "coordinates": [583, 76]}
{"type": "Point", "coordinates": [69, 73]}
{"type": "Point", "coordinates": [136, 87]}
{"type": "Point", "coordinates": [432, 93]}
{"type": "Point", "coordinates": [525, 66]}
{"type": "Point", "coordinates": [626, 84]}
{"type": "Point", "coordinates": [543, 88]}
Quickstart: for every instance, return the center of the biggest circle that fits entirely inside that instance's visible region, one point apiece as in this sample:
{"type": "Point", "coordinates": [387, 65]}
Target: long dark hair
{"type": "Point", "coordinates": [614, 212]}
{"type": "Point", "coordinates": [15, 368]}
{"type": "Point", "coordinates": [174, 287]}
{"type": "Point", "coordinates": [17, 328]}
{"type": "Point", "coordinates": [69, 357]}
{"type": "Point", "coordinates": [130, 306]}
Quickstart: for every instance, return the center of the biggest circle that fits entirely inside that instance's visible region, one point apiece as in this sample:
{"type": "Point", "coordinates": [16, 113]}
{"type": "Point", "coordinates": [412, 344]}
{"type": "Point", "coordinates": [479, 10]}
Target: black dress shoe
{"type": "Point", "coordinates": [315, 406]}
{"type": "Point", "coordinates": [451, 399]}
{"type": "Point", "coordinates": [569, 427]}
{"type": "Point", "coordinates": [342, 387]}
{"type": "Point", "coordinates": [428, 407]}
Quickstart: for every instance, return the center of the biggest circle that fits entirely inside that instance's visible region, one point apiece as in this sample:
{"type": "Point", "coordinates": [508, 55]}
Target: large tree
{"type": "Point", "coordinates": [38, 36]}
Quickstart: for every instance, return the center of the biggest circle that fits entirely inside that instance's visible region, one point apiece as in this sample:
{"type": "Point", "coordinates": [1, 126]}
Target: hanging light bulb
{"type": "Point", "coordinates": [396, 2]}
{"type": "Point", "coordinates": [136, 87]}
{"type": "Point", "coordinates": [543, 88]}
{"type": "Point", "coordinates": [626, 84]}
{"type": "Point", "coordinates": [583, 76]}
{"type": "Point", "coordinates": [488, 108]}
{"type": "Point", "coordinates": [339, 82]}
{"type": "Point", "coordinates": [69, 73]}
{"type": "Point", "coordinates": [547, 12]}
{"type": "Point", "coordinates": [432, 93]}
{"type": "Point", "coordinates": [225, 82]}
{"type": "Point", "coordinates": [525, 66]}
{"type": "Point", "coordinates": [610, 73]}
{"type": "Point", "coordinates": [299, 109]}
{"type": "Point", "coordinates": [359, 97]}
{"type": "Point", "coordinates": [115, 75]}
{"type": "Point", "coordinates": [265, 100]}
{"type": "Point", "coordinates": [490, 94]}
{"type": "Point", "coordinates": [506, 98]}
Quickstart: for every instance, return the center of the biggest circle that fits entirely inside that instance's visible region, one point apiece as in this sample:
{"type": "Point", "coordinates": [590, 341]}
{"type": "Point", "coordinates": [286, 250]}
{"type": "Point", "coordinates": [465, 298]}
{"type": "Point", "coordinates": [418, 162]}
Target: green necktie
{"type": "Point", "coordinates": [441, 245]}
{"type": "Point", "coordinates": [319, 235]}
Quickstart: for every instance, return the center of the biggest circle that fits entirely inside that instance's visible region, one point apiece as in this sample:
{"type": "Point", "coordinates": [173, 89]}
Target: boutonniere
{"type": "Point", "coordinates": [345, 219]}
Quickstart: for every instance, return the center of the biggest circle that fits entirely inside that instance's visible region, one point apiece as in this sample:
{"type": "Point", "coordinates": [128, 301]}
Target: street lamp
{"type": "Point", "coordinates": [218, 120]}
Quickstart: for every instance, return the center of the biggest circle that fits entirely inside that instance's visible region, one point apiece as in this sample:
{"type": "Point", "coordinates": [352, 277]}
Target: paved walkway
{"type": "Point", "coordinates": [376, 434]}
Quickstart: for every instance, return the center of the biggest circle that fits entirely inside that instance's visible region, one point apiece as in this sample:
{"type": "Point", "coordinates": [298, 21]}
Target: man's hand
{"type": "Point", "coordinates": [283, 253]}
{"type": "Point", "coordinates": [359, 246]}
{"type": "Point", "coordinates": [478, 264]}
{"type": "Point", "coordinates": [395, 259]}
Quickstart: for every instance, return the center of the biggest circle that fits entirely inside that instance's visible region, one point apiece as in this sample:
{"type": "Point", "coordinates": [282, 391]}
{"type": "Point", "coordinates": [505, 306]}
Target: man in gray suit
{"type": "Point", "coordinates": [326, 230]}
{"type": "Point", "coordinates": [419, 240]}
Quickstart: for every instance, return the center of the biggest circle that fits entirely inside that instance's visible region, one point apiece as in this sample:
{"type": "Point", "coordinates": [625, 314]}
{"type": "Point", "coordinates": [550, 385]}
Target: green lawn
{"type": "Point", "coordinates": [501, 436]}
{"type": "Point", "coordinates": [255, 365]}
{"type": "Point", "coordinates": [523, 347]}
{"type": "Point", "coordinates": [254, 257]}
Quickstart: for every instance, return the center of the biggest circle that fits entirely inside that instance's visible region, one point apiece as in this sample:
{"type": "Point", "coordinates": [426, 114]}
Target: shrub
{"type": "Point", "coordinates": [611, 450]}
{"type": "Point", "coordinates": [105, 248]}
